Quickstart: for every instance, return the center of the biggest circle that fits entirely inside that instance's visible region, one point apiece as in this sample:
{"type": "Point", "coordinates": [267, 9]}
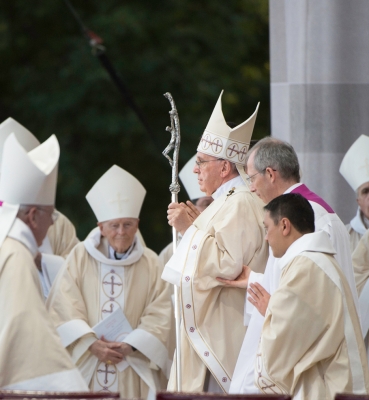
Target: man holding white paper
{"type": "Point", "coordinates": [109, 304]}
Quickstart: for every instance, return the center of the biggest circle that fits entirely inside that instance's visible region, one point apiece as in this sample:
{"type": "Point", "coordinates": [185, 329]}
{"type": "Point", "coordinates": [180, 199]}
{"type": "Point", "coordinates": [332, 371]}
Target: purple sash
{"type": "Point", "coordinates": [311, 196]}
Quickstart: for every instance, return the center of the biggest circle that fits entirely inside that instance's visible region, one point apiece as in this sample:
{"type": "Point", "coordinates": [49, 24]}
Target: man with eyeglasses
{"type": "Point", "coordinates": [273, 169]}
{"type": "Point", "coordinates": [110, 274]}
{"type": "Point", "coordinates": [32, 356]}
{"type": "Point", "coordinates": [61, 236]}
{"type": "Point", "coordinates": [219, 241]}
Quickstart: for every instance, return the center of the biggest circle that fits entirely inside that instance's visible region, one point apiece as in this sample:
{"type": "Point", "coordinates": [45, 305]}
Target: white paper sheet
{"type": "Point", "coordinates": [114, 328]}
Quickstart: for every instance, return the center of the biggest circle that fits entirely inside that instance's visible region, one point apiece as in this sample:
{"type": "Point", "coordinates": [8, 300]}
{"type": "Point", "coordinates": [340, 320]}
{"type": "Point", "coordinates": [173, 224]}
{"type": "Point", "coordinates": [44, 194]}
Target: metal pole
{"type": "Point", "coordinates": [174, 188]}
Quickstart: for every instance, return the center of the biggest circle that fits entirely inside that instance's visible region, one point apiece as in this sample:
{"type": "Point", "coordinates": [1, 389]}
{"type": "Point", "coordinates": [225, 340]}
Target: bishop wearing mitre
{"type": "Point", "coordinates": [32, 356]}
{"type": "Point", "coordinates": [61, 236]}
{"type": "Point", "coordinates": [228, 234]}
{"type": "Point", "coordinates": [111, 271]}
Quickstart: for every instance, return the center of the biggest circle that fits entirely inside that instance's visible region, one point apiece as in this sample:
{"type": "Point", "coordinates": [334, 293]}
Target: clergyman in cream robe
{"type": "Point", "coordinates": [32, 356]}
{"type": "Point", "coordinates": [93, 284]}
{"type": "Point", "coordinates": [360, 260]}
{"type": "Point", "coordinates": [225, 236]}
{"type": "Point", "coordinates": [357, 228]}
{"type": "Point", "coordinates": [311, 344]}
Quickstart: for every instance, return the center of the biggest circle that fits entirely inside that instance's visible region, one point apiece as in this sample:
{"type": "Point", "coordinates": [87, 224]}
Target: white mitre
{"type": "Point", "coordinates": [117, 194]}
{"type": "Point", "coordinates": [189, 180]}
{"type": "Point", "coordinates": [220, 141]}
{"type": "Point", "coordinates": [27, 178]}
{"type": "Point", "coordinates": [355, 164]}
{"type": "Point", "coordinates": [23, 135]}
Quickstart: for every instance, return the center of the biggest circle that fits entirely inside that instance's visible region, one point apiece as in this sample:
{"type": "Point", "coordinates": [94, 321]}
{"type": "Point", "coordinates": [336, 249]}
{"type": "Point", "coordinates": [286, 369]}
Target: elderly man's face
{"type": "Point", "coordinates": [208, 173]}
{"type": "Point", "coordinates": [363, 199]}
{"type": "Point", "coordinates": [119, 232]}
{"type": "Point", "coordinates": [258, 182]}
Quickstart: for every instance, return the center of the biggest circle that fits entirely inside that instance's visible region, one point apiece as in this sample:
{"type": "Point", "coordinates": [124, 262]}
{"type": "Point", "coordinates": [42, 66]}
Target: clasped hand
{"type": "Point", "coordinates": [181, 215]}
{"type": "Point", "coordinates": [113, 352]}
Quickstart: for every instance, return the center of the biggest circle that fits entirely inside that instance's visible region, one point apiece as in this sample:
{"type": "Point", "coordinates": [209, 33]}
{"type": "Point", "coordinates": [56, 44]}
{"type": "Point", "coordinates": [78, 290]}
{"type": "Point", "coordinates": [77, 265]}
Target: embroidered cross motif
{"type": "Point", "coordinates": [112, 278]}
{"type": "Point", "coordinates": [192, 329]}
{"type": "Point", "coordinates": [224, 379]}
{"type": "Point", "coordinates": [194, 247]}
{"type": "Point", "coordinates": [187, 278]}
{"type": "Point", "coordinates": [267, 386]}
{"type": "Point", "coordinates": [188, 306]}
{"type": "Point", "coordinates": [231, 191]}
{"type": "Point", "coordinates": [206, 142]}
{"type": "Point", "coordinates": [119, 200]}
{"type": "Point", "coordinates": [233, 149]}
{"type": "Point", "coordinates": [111, 309]}
{"type": "Point", "coordinates": [106, 371]}
{"type": "Point", "coordinates": [206, 354]}
{"type": "Point", "coordinates": [242, 153]}
{"type": "Point", "coordinates": [217, 143]}
{"type": "Point", "coordinates": [366, 165]}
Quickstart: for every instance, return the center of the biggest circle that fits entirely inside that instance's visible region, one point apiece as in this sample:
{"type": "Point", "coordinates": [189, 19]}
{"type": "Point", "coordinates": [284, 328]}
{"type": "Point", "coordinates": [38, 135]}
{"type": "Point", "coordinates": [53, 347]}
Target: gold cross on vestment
{"type": "Point", "coordinates": [119, 200]}
{"type": "Point", "coordinates": [366, 165]}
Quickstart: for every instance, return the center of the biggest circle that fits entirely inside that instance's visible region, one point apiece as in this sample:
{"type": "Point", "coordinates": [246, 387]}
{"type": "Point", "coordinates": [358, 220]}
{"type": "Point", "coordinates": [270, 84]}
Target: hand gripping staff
{"type": "Point", "coordinates": [174, 188]}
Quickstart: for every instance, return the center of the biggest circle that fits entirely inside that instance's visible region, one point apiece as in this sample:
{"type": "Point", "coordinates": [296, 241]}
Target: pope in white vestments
{"type": "Point", "coordinates": [111, 271]}
{"type": "Point", "coordinates": [218, 242]}
{"type": "Point", "coordinates": [32, 356]}
{"type": "Point", "coordinates": [311, 345]}
{"type": "Point", "coordinates": [355, 169]}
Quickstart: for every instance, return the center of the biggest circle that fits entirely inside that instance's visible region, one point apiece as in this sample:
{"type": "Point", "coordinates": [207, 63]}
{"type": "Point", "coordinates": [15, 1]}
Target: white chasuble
{"type": "Point", "coordinates": [360, 260]}
{"type": "Point", "coordinates": [90, 288]}
{"type": "Point", "coordinates": [32, 356]}
{"type": "Point", "coordinates": [356, 228]}
{"type": "Point", "coordinates": [311, 345]}
{"type": "Point", "coordinates": [227, 235]}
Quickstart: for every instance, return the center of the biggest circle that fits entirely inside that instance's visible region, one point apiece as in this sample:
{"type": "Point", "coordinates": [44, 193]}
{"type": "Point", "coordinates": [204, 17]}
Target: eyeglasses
{"type": "Point", "coordinates": [54, 215]}
{"type": "Point", "coordinates": [251, 179]}
{"type": "Point", "coordinates": [199, 163]}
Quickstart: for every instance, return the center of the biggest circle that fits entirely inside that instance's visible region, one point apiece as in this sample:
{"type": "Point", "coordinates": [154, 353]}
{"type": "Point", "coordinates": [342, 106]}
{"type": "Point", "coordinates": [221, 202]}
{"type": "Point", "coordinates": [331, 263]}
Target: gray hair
{"type": "Point", "coordinates": [276, 154]}
{"type": "Point", "coordinates": [233, 166]}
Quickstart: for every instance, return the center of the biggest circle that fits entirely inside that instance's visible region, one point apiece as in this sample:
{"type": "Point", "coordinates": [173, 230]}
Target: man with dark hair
{"type": "Point", "coordinates": [273, 169]}
{"type": "Point", "coordinates": [308, 348]}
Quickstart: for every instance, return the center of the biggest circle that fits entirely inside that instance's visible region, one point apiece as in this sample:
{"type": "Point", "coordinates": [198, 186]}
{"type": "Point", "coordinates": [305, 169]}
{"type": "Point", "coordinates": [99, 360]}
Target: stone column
{"type": "Point", "coordinates": [319, 52]}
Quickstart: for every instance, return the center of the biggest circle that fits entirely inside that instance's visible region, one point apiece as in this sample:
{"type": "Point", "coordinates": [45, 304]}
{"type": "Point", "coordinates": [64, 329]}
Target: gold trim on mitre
{"type": "Point", "coordinates": [220, 141]}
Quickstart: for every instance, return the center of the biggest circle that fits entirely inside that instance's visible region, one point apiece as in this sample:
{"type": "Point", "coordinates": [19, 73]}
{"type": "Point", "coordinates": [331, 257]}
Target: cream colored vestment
{"type": "Point", "coordinates": [77, 303]}
{"type": "Point", "coordinates": [311, 344]}
{"type": "Point", "coordinates": [60, 239]}
{"type": "Point", "coordinates": [356, 229]}
{"type": "Point", "coordinates": [360, 261]}
{"type": "Point", "coordinates": [227, 235]}
{"type": "Point", "coordinates": [32, 356]}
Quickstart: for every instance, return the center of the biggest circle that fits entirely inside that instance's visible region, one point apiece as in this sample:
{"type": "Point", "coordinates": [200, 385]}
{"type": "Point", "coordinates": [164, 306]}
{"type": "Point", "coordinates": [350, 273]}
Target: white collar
{"type": "Point", "coordinates": [227, 186]}
{"type": "Point", "coordinates": [293, 187]}
{"type": "Point", "coordinates": [315, 242]}
{"type": "Point", "coordinates": [357, 222]}
{"type": "Point", "coordinates": [125, 255]}
{"type": "Point", "coordinates": [92, 243]}
{"type": "Point", "coordinates": [21, 232]}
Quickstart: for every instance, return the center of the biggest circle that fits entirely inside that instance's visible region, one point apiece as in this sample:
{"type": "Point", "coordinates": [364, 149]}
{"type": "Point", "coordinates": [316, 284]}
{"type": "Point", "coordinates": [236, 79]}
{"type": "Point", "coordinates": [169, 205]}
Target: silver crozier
{"type": "Point", "coordinates": [174, 188]}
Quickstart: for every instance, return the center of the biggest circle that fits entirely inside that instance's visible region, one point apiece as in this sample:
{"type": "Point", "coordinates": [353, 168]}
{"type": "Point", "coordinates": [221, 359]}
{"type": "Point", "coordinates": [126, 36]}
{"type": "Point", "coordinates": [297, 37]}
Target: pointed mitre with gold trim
{"type": "Point", "coordinates": [23, 135]}
{"type": "Point", "coordinates": [189, 180]}
{"type": "Point", "coordinates": [220, 141]}
{"type": "Point", "coordinates": [117, 194]}
{"type": "Point", "coordinates": [355, 164]}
